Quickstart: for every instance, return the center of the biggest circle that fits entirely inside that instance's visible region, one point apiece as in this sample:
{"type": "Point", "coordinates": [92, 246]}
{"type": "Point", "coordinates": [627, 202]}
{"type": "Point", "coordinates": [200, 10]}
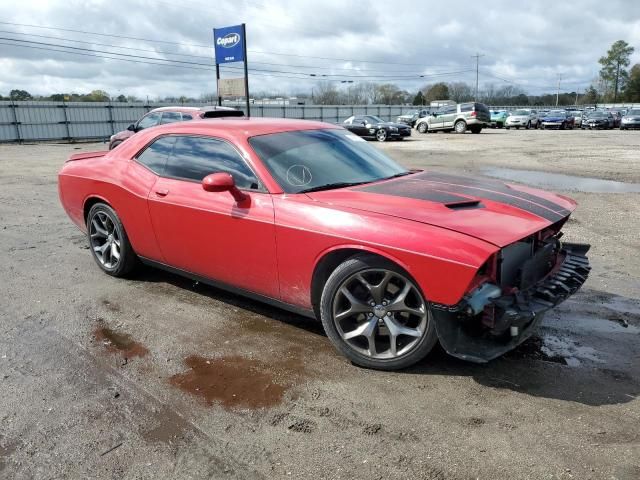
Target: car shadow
{"type": "Point", "coordinates": [524, 370]}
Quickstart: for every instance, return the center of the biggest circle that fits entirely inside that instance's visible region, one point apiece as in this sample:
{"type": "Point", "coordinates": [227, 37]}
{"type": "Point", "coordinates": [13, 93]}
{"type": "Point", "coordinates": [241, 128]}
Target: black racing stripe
{"type": "Point", "coordinates": [495, 186]}
{"type": "Point", "coordinates": [412, 189]}
{"type": "Point", "coordinates": [522, 204]}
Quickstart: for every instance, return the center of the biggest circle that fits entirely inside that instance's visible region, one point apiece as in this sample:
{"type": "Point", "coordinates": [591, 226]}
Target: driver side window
{"type": "Point", "coordinates": [147, 121]}
{"type": "Point", "coordinates": [193, 158]}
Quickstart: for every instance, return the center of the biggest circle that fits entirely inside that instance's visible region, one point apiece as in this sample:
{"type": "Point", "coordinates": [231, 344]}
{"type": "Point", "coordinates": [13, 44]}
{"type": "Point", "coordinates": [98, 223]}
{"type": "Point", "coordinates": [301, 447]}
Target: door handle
{"type": "Point", "coordinates": [162, 192]}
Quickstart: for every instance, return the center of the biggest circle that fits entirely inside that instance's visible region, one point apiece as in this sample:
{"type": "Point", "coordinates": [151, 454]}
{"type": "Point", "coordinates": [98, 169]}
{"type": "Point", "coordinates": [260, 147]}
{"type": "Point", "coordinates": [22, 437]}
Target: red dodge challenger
{"type": "Point", "coordinates": [309, 217]}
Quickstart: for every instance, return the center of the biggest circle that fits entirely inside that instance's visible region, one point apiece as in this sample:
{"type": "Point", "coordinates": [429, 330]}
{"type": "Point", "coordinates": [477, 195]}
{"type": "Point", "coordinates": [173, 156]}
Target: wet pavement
{"type": "Point", "coordinates": [559, 181]}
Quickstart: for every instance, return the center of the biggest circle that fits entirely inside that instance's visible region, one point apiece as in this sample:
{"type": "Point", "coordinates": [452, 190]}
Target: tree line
{"type": "Point", "coordinates": [615, 83]}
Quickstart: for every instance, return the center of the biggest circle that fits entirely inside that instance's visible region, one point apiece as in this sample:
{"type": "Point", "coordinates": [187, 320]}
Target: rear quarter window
{"type": "Point", "coordinates": [154, 157]}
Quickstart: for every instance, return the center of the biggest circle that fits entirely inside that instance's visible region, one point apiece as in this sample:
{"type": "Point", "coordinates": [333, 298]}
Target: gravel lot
{"type": "Point", "coordinates": [158, 377]}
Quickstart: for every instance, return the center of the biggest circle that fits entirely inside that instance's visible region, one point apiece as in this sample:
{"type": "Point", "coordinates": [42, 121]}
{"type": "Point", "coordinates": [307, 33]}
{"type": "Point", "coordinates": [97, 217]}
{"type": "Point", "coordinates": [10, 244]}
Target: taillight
{"type": "Point", "coordinates": [473, 113]}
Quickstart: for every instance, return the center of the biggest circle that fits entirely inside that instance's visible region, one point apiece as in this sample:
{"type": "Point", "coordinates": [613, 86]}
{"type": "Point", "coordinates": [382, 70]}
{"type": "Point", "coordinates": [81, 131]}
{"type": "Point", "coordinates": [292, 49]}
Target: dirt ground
{"type": "Point", "coordinates": [160, 377]}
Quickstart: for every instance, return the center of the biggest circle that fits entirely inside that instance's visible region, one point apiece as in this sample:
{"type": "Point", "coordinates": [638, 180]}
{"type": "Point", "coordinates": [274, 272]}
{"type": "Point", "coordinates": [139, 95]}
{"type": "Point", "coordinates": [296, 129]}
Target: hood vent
{"type": "Point", "coordinates": [464, 205]}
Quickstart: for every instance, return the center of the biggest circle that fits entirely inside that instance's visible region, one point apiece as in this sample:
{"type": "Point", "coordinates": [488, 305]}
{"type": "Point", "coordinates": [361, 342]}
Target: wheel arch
{"type": "Point", "coordinates": [330, 259]}
{"type": "Point", "coordinates": [89, 202]}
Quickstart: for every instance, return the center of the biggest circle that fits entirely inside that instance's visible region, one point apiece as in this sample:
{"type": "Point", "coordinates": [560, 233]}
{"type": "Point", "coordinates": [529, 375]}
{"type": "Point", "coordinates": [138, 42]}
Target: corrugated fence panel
{"type": "Point", "coordinates": [39, 120]}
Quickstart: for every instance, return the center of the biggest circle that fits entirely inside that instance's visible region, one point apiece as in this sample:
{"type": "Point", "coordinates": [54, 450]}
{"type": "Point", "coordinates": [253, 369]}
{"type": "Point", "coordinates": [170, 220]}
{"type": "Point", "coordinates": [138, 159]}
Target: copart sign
{"type": "Point", "coordinates": [229, 44]}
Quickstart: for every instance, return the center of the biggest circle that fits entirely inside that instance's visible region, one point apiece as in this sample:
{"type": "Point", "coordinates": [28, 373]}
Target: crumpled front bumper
{"type": "Point", "coordinates": [515, 315]}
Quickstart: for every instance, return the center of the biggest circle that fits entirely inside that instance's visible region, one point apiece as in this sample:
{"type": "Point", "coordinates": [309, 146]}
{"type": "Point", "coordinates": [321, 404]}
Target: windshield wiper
{"type": "Point", "coordinates": [330, 186]}
{"type": "Point", "coordinates": [397, 175]}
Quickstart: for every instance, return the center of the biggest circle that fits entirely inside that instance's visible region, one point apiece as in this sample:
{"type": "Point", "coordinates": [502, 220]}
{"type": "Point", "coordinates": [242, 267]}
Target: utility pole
{"type": "Point", "coordinates": [558, 91]}
{"type": "Point", "coordinates": [477, 57]}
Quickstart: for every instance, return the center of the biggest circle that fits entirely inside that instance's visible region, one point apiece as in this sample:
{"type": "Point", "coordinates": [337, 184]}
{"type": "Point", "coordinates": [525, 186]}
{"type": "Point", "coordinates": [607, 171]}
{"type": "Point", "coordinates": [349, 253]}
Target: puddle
{"type": "Point", "coordinates": [170, 427]}
{"type": "Point", "coordinates": [121, 343]}
{"type": "Point", "coordinates": [233, 382]}
{"type": "Point", "coordinates": [556, 346]}
{"type": "Point", "coordinates": [561, 181]}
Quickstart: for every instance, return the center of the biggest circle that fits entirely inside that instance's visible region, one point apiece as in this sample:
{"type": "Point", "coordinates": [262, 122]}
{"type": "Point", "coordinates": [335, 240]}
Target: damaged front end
{"type": "Point", "coordinates": [511, 293]}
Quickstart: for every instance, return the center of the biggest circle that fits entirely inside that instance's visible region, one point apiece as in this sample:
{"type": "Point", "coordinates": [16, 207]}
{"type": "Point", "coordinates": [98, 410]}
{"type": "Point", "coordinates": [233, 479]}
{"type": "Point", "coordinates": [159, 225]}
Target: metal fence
{"type": "Point", "coordinates": [74, 121]}
{"type": "Point", "coordinates": [42, 121]}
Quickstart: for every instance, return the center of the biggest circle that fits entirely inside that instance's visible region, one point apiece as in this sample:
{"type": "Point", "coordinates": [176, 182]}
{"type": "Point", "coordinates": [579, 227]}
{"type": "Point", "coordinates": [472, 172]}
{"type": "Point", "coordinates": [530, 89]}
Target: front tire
{"type": "Point", "coordinates": [423, 127]}
{"type": "Point", "coordinates": [108, 241]}
{"type": "Point", "coordinates": [375, 314]}
{"type": "Point", "coordinates": [381, 135]}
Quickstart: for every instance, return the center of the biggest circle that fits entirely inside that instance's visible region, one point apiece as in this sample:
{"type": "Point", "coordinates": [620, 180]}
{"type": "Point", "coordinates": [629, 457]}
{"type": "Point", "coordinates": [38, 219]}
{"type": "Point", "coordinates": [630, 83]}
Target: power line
{"type": "Point", "coordinates": [197, 56]}
{"type": "Point", "coordinates": [210, 47]}
{"type": "Point", "coordinates": [184, 62]}
{"type": "Point", "coordinates": [189, 65]}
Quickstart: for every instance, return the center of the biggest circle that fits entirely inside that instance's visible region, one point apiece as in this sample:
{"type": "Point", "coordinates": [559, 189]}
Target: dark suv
{"type": "Point", "coordinates": [472, 116]}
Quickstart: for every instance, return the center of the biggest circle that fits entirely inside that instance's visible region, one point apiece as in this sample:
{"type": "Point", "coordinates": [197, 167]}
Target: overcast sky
{"type": "Point", "coordinates": [527, 43]}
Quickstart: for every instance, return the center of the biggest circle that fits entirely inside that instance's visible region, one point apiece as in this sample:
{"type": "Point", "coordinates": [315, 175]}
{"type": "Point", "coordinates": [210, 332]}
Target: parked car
{"type": "Point", "coordinates": [577, 118]}
{"type": "Point", "coordinates": [459, 118]}
{"type": "Point", "coordinates": [631, 119]}
{"type": "Point", "coordinates": [522, 119]}
{"type": "Point", "coordinates": [617, 117]}
{"type": "Point", "coordinates": [162, 115]}
{"type": "Point", "coordinates": [309, 217]}
{"type": "Point", "coordinates": [598, 120]}
{"type": "Point", "coordinates": [370, 126]}
{"type": "Point", "coordinates": [411, 117]}
{"type": "Point", "coordinates": [498, 118]}
{"type": "Point", "coordinates": [559, 119]}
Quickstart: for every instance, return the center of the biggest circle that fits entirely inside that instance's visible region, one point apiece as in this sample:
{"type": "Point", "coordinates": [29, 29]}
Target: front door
{"type": "Point", "coordinates": [209, 233]}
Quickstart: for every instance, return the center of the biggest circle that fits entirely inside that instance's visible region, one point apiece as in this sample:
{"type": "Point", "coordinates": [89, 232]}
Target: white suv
{"type": "Point", "coordinates": [522, 118]}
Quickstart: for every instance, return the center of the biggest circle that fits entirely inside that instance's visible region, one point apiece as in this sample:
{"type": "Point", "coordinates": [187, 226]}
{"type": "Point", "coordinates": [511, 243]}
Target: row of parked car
{"type": "Point", "coordinates": [472, 116]}
{"type": "Point", "coordinates": [462, 117]}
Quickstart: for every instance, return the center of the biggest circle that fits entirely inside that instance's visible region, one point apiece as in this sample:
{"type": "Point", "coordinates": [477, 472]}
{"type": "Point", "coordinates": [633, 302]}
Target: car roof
{"type": "Point", "coordinates": [182, 108]}
{"type": "Point", "coordinates": [243, 126]}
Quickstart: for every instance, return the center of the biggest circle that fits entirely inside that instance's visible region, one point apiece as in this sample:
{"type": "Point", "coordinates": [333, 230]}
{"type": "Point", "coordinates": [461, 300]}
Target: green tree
{"type": "Point", "coordinates": [590, 96]}
{"type": "Point", "coordinates": [418, 99]}
{"type": "Point", "coordinates": [632, 88]}
{"type": "Point", "coordinates": [97, 96]}
{"type": "Point", "coordinates": [20, 95]}
{"type": "Point", "coordinates": [613, 71]}
{"type": "Point", "coordinates": [438, 91]}
{"type": "Point", "coordinates": [121, 98]}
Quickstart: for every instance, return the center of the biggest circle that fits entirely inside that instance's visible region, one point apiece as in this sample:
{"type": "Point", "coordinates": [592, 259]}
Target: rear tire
{"type": "Point", "coordinates": [370, 319]}
{"type": "Point", "coordinates": [460, 126]}
{"type": "Point", "coordinates": [108, 241]}
{"type": "Point", "coordinates": [381, 135]}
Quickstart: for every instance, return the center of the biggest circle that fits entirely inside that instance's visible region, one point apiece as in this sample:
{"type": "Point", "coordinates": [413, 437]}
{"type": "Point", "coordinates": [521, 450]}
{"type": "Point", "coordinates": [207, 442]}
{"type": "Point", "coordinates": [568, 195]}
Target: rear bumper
{"type": "Point", "coordinates": [515, 315]}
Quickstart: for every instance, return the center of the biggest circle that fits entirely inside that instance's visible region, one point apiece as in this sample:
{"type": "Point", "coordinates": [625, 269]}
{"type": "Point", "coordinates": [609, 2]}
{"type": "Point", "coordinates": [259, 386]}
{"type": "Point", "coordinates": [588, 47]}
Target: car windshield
{"type": "Point", "coordinates": [411, 113]}
{"type": "Point", "coordinates": [633, 112]}
{"type": "Point", "coordinates": [597, 115]}
{"type": "Point", "coordinates": [321, 159]}
{"type": "Point", "coordinates": [521, 112]}
{"type": "Point", "coordinates": [373, 119]}
{"type": "Point", "coordinates": [556, 113]}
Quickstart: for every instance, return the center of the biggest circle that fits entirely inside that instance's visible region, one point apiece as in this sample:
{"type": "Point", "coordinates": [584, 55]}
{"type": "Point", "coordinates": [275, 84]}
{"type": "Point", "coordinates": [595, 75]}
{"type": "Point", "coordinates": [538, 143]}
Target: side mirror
{"type": "Point", "coordinates": [132, 127]}
{"type": "Point", "coordinates": [364, 124]}
{"type": "Point", "coordinates": [222, 182]}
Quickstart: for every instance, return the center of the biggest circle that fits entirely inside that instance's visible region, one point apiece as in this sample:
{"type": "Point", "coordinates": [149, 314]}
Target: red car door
{"type": "Point", "coordinates": [209, 233]}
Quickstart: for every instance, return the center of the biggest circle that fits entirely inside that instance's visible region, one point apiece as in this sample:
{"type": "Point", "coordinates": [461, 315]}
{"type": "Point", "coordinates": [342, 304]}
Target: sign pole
{"type": "Point", "coordinates": [246, 69]}
{"type": "Point", "coordinates": [218, 83]}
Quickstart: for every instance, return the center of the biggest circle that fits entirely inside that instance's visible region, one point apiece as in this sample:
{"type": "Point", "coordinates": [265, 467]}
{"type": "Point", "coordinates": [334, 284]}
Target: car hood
{"type": "Point", "coordinates": [486, 209]}
{"type": "Point", "coordinates": [554, 119]}
{"type": "Point", "coordinates": [519, 117]}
